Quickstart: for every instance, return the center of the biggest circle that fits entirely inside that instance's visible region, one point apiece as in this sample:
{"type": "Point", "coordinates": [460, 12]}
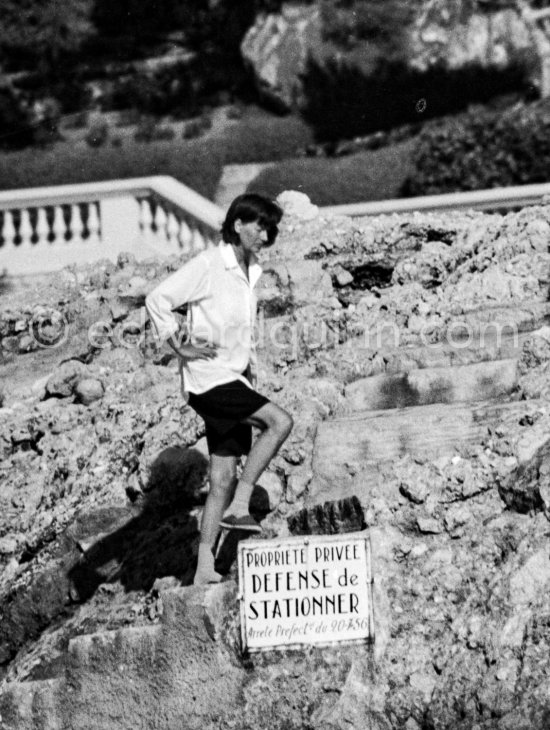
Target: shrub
{"type": "Point", "coordinates": [72, 93]}
{"type": "Point", "coordinates": [145, 129]}
{"type": "Point", "coordinates": [164, 133]}
{"type": "Point", "coordinates": [98, 134]}
{"type": "Point", "coordinates": [15, 120]}
{"type": "Point", "coordinates": [206, 120]}
{"type": "Point", "coordinates": [166, 90]}
{"type": "Point", "coordinates": [46, 115]}
{"type": "Point", "coordinates": [382, 22]}
{"type": "Point", "coordinates": [374, 175]}
{"type": "Point", "coordinates": [149, 130]}
{"type": "Point", "coordinates": [196, 162]}
{"type": "Point", "coordinates": [342, 101]}
{"type": "Point", "coordinates": [235, 111]}
{"type": "Point", "coordinates": [483, 149]}
{"type": "Point", "coordinates": [192, 129]}
{"type": "Point", "coordinates": [128, 117]}
{"type": "Point", "coordinates": [79, 120]}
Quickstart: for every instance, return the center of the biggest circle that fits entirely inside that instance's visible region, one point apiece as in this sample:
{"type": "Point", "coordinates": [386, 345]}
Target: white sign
{"type": "Point", "coordinates": [313, 589]}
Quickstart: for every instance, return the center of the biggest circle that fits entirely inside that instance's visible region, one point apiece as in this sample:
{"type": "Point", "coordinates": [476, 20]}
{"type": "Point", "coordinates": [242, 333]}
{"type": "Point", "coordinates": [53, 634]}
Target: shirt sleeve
{"type": "Point", "coordinates": [188, 284]}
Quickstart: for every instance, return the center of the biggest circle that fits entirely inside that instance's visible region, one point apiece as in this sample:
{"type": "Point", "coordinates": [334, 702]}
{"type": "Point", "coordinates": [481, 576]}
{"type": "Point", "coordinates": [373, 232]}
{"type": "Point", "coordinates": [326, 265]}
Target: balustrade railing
{"type": "Point", "coordinates": [44, 229]}
{"type": "Point", "coordinates": [493, 200]}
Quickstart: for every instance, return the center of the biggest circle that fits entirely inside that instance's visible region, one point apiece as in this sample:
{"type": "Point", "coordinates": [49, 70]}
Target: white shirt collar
{"type": "Point", "coordinates": [230, 261]}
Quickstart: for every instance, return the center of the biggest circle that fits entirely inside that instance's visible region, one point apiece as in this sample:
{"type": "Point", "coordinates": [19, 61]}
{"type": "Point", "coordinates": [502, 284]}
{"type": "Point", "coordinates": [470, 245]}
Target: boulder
{"type": "Point", "coordinates": [61, 383]}
{"type": "Point", "coordinates": [444, 35]}
{"type": "Point", "coordinates": [273, 486]}
{"type": "Point", "coordinates": [89, 390]}
{"type": "Point", "coordinates": [278, 45]}
{"type": "Point", "coordinates": [521, 489]}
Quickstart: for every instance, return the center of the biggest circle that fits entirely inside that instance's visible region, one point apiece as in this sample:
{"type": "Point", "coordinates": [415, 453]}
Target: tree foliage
{"type": "Point", "coordinates": [343, 102]}
{"type": "Point", "coordinates": [483, 149]}
{"type": "Point", "coordinates": [43, 30]}
{"type": "Point", "coordinates": [348, 22]}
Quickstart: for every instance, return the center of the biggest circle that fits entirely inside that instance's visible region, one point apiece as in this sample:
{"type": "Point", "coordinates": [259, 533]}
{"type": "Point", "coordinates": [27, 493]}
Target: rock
{"type": "Point", "coordinates": [456, 518]}
{"type": "Point", "coordinates": [297, 484]}
{"type": "Point", "coordinates": [125, 258]}
{"type": "Point", "coordinates": [119, 309]}
{"type": "Point", "coordinates": [538, 233]}
{"type": "Point", "coordinates": [422, 386]}
{"type": "Point", "coordinates": [89, 390]}
{"type": "Point", "coordinates": [309, 283]}
{"type": "Point", "coordinates": [273, 485]}
{"type": "Point", "coordinates": [166, 583]}
{"type": "Point", "coordinates": [415, 491]}
{"type": "Point", "coordinates": [289, 285]}
{"type": "Point", "coordinates": [8, 545]}
{"type": "Point", "coordinates": [38, 388]}
{"type": "Point", "coordinates": [429, 525]}
{"type": "Point", "coordinates": [544, 491]}
{"type": "Point", "coordinates": [424, 684]}
{"type": "Point", "coordinates": [119, 359]}
{"type": "Point", "coordinates": [10, 344]}
{"type": "Point", "coordinates": [342, 276]}
{"type": "Point", "coordinates": [134, 291]}
{"type": "Point", "coordinates": [360, 704]}
{"type": "Point", "coordinates": [202, 447]}
{"type": "Point", "coordinates": [531, 579]}
{"type": "Point", "coordinates": [142, 380]}
{"type": "Point", "coordinates": [521, 489]}
{"type": "Point", "coordinates": [455, 39]}
{"type": "Point", "coordinates": [27, 344]}
{"type": "Point", "coordinates": [277, 47]}
{"type": "Point", "coordinates": [273, 291]}
{"type": "Point", "coordinates": [62, 381]}
{"type": "Point", "coordinates": [297, 205]}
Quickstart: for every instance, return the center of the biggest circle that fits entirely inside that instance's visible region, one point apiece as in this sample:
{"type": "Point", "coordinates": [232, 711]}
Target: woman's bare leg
{"type": "Point", "coordinates": [276, 425]}
{"type": "Point", "coordinates": [223, 471]}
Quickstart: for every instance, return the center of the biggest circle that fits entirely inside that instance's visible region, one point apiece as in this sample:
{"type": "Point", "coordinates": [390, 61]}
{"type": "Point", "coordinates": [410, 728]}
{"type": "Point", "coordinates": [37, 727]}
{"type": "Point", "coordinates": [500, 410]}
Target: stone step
{"type": "Point", "coordinates": [32, 705]}
{"type": "Point", "coordinates": [136, 678]}
{"type": "Point", "coordinates": [487, 341]}
{"type": "Point", "coordinates": [489, 347]}
{"type": "Point", "coordinates": [348, 450]}
{"type": "Point", "coordinates": [156, 678]}
{"type": "Point", "coordinates": [463, 383]}
{"type": "Point", "coordinates": [127, 648]}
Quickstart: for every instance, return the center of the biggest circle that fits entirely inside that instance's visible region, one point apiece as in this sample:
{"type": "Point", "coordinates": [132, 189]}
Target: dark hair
{"type": "Point", "coordinates": [248, 208]}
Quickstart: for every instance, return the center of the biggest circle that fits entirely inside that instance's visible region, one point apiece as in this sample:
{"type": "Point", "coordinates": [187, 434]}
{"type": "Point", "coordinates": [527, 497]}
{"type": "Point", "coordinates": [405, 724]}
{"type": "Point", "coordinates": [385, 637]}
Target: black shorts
{"type": "Point", "coordinates": [223, 409]}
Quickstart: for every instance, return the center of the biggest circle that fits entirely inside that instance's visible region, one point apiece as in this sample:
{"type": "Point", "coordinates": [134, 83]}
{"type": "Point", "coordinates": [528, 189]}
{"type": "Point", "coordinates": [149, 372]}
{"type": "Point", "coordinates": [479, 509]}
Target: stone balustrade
{"type": "Point", "coordinates": [495, 199]}
{"type": "Point", "coordinates": [44, 229]}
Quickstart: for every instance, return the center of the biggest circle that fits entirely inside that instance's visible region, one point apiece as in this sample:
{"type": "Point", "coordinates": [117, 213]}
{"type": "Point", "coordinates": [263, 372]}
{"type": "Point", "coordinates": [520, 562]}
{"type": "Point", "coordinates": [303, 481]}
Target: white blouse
{"type": "Point", "coordinates": [221, 311]}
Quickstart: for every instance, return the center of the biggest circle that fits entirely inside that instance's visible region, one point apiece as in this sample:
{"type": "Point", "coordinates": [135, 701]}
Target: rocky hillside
{"type": "Point", "coordinates": [424, 35]}
{"type": "Point", "coordinates": [413, 353]}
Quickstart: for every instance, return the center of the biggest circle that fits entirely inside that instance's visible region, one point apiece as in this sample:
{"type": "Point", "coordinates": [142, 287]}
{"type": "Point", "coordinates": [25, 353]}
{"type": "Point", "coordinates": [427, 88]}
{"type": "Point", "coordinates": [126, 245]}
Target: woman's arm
{"type": "Point", "coordinates": [187, 284]}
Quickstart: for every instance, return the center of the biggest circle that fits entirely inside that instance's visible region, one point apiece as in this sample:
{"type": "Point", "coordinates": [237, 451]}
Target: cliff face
{"type": "Point", "coordinates": [278, 46]}
{"type": "Point", "coordinates": [413, 354]}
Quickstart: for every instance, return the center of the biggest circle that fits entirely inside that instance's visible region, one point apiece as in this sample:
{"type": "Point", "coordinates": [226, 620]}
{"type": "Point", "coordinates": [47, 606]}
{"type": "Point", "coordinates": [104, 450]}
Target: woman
{"type": "Point", "coordinates": [219, 365]}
